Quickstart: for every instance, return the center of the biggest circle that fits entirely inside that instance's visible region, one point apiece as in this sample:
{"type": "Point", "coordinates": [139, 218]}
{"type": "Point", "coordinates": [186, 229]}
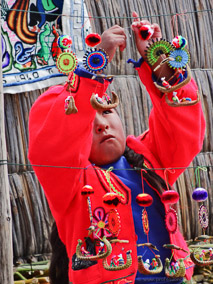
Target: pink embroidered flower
{"type": "Point", "coordinates": [100, 221]}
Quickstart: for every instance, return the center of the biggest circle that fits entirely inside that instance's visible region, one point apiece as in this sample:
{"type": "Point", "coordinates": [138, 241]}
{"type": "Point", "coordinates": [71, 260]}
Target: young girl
{"type": "Point", "coordinates": [92, 205]}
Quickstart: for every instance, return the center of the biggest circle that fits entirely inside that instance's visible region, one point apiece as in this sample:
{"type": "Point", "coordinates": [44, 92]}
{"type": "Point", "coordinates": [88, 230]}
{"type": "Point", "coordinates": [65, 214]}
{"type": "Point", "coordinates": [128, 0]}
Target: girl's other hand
{"type": "Point", "coordinates": [140, 43]}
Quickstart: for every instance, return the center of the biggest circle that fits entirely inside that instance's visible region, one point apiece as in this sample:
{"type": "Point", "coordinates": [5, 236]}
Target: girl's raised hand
{"type": "Point", "coordinates": [136, 26]}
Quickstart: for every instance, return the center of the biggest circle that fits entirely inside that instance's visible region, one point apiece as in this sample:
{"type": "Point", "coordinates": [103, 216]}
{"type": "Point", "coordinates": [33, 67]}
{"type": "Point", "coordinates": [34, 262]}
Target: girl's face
{"type": "Point", "coordinates": [109, 139]}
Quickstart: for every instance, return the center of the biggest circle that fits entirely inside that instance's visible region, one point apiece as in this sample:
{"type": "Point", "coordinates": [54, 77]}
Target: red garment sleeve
{"type": "Point", "coordinates": [176, 131]}
{"type": "Point", "coordinates": [58, 141]}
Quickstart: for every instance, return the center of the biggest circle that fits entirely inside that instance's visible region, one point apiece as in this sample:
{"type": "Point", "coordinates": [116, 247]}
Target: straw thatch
{"type": "Point", "coordinates": [31, 217]}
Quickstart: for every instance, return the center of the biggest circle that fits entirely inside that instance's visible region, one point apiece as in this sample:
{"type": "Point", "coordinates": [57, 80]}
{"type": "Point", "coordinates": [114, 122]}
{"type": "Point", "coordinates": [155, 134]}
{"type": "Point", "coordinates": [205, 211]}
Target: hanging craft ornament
{"type": "Point", "coordinates": [156, 265]}
{"type": "Point", "coordinates": [66, 62]}
{"type": "Point", "coordinates": [146, 32]}
{"type": "Point", "coordinates": [169, 63]}
{"type": "Point", "coordinates": [93, 39]}
{"type": "Point", "coordinates": [202, 255]}
{"type": "Point", "coordinates": [171, 220]}
{"type": "Point", "coordinates": [203, 217]}
{"type": "Point", "coordinates": [199, 195]}
{"type": "Point", "coordinates": [145, 221]}
{"type": "Point", "coordinates": [84, 256]}
{"type": "Point", "coordinates": [64, 41]}
{"type": "Point", "coordinates": [103, 104]}
{"type": "Point", "coordinates": [114, 222]}
{"type": "Point", "coordinates": [146, 200]}
{"type": "Point", "coordinates": [180, 58]}
{"type": "Point", "coordinates": [88, 190]}
{"type": "Point", "coordinates": [121, 264]}
{"type": "Point", "coordinates": [95, 60]}
{"type": "Point", "coordinates": [157, 48]}
{"type": "Point", "coordinates": [111, 199]}
{"type": "Point", "coordinates": [170, 197]}
{"type": "Point", "coordinates": [179, 42]}
{"type": "Point", "coordinates": [69, 105]}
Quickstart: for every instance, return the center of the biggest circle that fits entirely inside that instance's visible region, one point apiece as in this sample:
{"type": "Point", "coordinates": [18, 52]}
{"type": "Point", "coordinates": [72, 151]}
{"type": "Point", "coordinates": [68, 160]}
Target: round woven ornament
{"type": "Point", "coordinates": [66, 62]}
{"type": "Point", "coordinates": [95, 60]}
{"type": "Point", "coordinates": [180, 58]}
{"type": "Point", "coordinates": [114, 222]}
{"type": "Point", "coordinates": [203, 217]}
{"type": "Point", "coordinates": [157, 48]}
{"type": "Point", "coordinates": [171, 220]}
{"type": "Point", "coordinates": [145, 221]}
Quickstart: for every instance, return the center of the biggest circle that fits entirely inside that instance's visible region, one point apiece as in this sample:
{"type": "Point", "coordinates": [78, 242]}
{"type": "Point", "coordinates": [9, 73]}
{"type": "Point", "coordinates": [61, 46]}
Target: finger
{"type": "Point", "coordinates": [145, 22]}
{"type": "Point", "coordinates": [135, 16]}
{"type": "Point", "coordinates": [123, 46]}
{"type": "Point", "coordinates": [137, 25]}
{"type": "Point", "coordinates": [117, 29]}
{"type": "Point", "coordinates": [157, 30]}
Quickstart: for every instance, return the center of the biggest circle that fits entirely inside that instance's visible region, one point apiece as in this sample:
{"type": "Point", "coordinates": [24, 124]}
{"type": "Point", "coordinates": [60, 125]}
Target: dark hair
{"type": "Point", "coordinates": [59, 262]}
{"type": "Point", "coordinates": [58, 271]}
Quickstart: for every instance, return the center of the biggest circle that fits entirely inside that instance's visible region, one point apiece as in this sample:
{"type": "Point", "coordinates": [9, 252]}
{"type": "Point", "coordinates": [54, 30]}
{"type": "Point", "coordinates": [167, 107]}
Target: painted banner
{"type": "Point", "coordinates": [29, 32]}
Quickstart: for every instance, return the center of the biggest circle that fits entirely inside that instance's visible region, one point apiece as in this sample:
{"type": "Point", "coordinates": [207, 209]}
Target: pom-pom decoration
{"type": "Point", "coordinates": [64, 42]}
{"type": "Point", "coordinates": [145, 221]}
{"type": "Point", "coordinates": [171, 220]}
{"type": "Point", "coordinates": [157, 48]}
{"type": "Point", "coordinates": [179, 42]}
{"type": "Point", "coordinates": [203, 217]}
{"type": "Point", "coordinates": [180, 58]}
{"type": "Point", "coordinates": [93, 39]}
{"type": "Point", "coordinates": [95, 60]}
{"type": "Point", "coordinates": [114, 222]}
{"type": "Point", "coordinates": [66, 62]}
{"type": "Point", "coordinates": [111, 199]}
{"type": "Point", "coordinates": [200, 194]}
{"type": "Point", "coordinates": [170, 197]}
{"type": "Point", "coordinates": [144, 199]}
{"type": "Point", "coordinates": [146, 32]}
{"type": "Point", "coordinates": [87, 190]}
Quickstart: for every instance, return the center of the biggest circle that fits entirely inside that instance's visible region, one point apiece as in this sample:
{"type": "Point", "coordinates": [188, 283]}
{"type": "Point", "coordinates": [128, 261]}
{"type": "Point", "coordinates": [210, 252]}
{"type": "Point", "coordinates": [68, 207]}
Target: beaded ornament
{"type": "Point", "coordinates": [95, 60]}
{"type": "Point", "coordinates": [157, 48]}
{"type": "Point", "coordinates": [66, 62]}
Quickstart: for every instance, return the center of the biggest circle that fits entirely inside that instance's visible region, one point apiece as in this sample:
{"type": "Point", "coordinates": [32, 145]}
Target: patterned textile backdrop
{"type": "Point", "coordinates": [29, 31]}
